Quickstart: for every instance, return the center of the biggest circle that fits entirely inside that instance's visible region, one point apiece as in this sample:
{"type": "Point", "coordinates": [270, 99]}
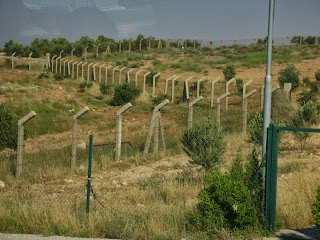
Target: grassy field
{"type": "Point", "coordinates": [142, 197]}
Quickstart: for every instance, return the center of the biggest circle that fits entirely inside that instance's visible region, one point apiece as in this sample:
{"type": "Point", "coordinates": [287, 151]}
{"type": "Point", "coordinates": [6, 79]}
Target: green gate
{"type": "Point", "coordinates": [272, 169]}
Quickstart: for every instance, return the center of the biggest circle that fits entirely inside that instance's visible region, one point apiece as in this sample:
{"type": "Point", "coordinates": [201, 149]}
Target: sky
{"type": "Point", "coordinates": [24, 20]}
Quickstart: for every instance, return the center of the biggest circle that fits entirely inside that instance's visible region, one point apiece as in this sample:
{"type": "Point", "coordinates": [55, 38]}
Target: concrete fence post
{"type": "Point", "coordinates": [128, 75]}
{"type": "Point", "coordinates": [136, 77]}
{"type": "Point", "coordinates": [156, 129]}
{"type": "Point", "coordinates": [48, 62]}
{"type": "Point", "coordinates": [144, 82]}
{"type": "Point", "coordinates": [64, 61]}
{"type": "Point", "coordinates": [88, 73]}
{"type": "Point", "coordinates": [227, 90]}
{"type": "Point", "coordinates": [245, 110]}
{"type": "Point", "coordinates": [113, 72]}
{"type": "Point", "coordinates": [82, 69]}
{"type": "Point", "coordinates": [130, 41]}
{"type": "Point", "coordinates": [69, 68]}
{"type": "Point", "coordinates": [72, 71]}
{"type": "Point", "coordinates": [120, 76]}
{"type": "Point", "coordinates": [119, 129]}
{"type": "Point", "coordinates": [140, 44]}
{"type": "Point", "coordinates": [178, 43]}
{"type": "Point", "coordinates": [235, 41]}
{"type": "Point", "coordinates": [100, 72]}
{"type": "Point", "coordinates": [160, 44]}
{"type": "Point", "coordinates": [94, 71]}
{"type": "Point", "coordinates": [218, 105]}
{"type": "Point", "coordinates": [210, 44]}
{"type": "Point", "coordinates": [244, 90]}
{"type": "Point", "coordinates": [212, 91]}
{"type": "Point", "coordinates": [275, 88]}
{"type": "Point", "coordinates": [154, 84]}
{"type": "Point", "coordinates": [52, 63]}
{"type": "Point", "coordinates": [195, 43]}
{"type": "Point", "coordinates": [166, 85]}
{"type": "Point", "coordinates": [287, 90]}
{"type": "Point", "coordinates": [190, 112]}
{"type": "Point", "coordinates": [97, 50]}
{"type": "Point", "coordinates": [72, 53]}
{"type": "Point", "coordinates": [168, 43]}
{"type": "Point", "coordinates": [60, 54]}
{"type": "Point", "coordinates": [20, 145]}
{"type": "Point", "coordinates": [288, 40]}
{"type": "Point", "coordinates": [172, 88]}
{"type": "Point", "coordinates": [60, 64]}
{"type": "Point", "coordinates": [58, 58]}
{"type": "Point", "coordinates": [186, 86]}
{"type": "Point", "coordinates": [221, 42]}
{"type": "Point", "coordinates": [75, 135]}
{"type": "Point", "coordinates": [12, 60]}
{"type": "Point", "coordinates": [85, 53]}
{"type": "Point", "coordinates": [120, 42]}
{"type": "Point", "coordinates": [201, 43]}
{"type": "Point", "coordinates": [108, 50]}
{"type": "Point", "coordinates": [106, 77]}
{"type": "Point", "coordinates": [29, 60]}
{"type": "Point", "coordinates": [198, 86]}
{"type": "Point", "coordinates": [78, 69]}
{"type": "Point", "coordinates": [150, 39]}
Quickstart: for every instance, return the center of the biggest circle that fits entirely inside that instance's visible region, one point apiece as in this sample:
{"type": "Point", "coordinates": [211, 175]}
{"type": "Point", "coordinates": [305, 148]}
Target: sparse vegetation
{"type": "Point", "coordinates": [8, 128]}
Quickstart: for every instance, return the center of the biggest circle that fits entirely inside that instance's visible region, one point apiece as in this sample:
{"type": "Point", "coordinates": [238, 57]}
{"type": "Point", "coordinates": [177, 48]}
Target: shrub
{"type": "Point", "coordinates": [239, 83]}
{"type": "Point", "coordinates": [106, 89]}
{"type": "Point", "coordinates": [157, 100]}
{"type": "Point", "coordinates": [149, 78]}
{"type": "Point", "coordinates": [8, 128]}
{"type": "Point", "coordinates": [205, 144]}
{"type": "Point", "coordinates": [316, 209]}
{"type": "Point", "coordinates": [255, 128]}
{"type": "Point", "coordinates": [84, 85]}
{"type": "Point", "coordinates": [289, 75]}
{"type": "Point", "coordinates": [43, 75]}
{"type": "Point", "coordinates": [58, 76]}
{"type": "Point", "coordinates": [317, 75]}
{"type": "Point", "coordinates": [305, 116]}
{"type": "Point", "coordinates": [125, 93]}
{"type": "Point", "coordinates": [229, 72]}
{"type": "Point", "coordinates": [306, 81]}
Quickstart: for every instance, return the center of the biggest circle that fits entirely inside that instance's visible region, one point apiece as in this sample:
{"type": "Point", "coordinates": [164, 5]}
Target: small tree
{"type": "Point", "coordinates": [8, 128]}
{"type": "Point", "coordinates": [289, 75]}
{"type": "Point", "coordinates": [239, 83]}
{"type": "Point", "coordinates": [205, 144]}
{"type": "Point", "coordinates": [255, 128]}
{"type": "Point", "coordinates": [316, 209]}
{"type": "Point", "coordinates": [125, 93]}
{"type": "Point", "coordinates": [229, 72]}
{"type": "Point", "coordinates": [317, 75]}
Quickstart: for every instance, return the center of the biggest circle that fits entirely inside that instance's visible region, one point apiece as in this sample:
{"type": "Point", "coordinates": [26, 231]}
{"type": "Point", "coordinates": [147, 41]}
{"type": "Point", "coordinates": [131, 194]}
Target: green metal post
{"type": "Point", "coordinates": [268, 177]}
{"type": "Point", "coordinates": [274, 170]}
{"type": "Point", "coordinates": [89, 175]}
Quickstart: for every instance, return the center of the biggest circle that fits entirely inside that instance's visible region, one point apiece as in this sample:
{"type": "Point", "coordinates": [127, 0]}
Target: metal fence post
{"type": "Point", "coordinates": [190, 112]}
{"type": "Point", "coordinates": [75, 135]}
{"type": "Point", "coordinates": [20, 146]}
{"type": "Point", "coordinates": [119, 129]}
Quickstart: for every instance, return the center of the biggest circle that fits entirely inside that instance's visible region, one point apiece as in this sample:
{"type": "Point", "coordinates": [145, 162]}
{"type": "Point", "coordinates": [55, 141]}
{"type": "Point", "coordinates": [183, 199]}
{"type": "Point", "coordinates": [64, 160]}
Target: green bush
{"type": "Point", "coordinates": [305, 116]}
{"type": "Point", "coordinates": [58, 76]}
{"type": "Point", "coordinates": [316, 209]}
{"type": "Point", "coordinates": [205, 144]}
{"type": "Point", "coordinates": [229, 72]}
{"type": "Point", "coordinates": [125, 93]}
{"type": "Point", "coordinates": [157, 99]}
{"type": "Point", "coordinates": [306, 81]}
{"type": "Point", "coordinates": [289, 75]}
{"type": "Point", "coordinates": [8, 128]}
{"type": "Point", "coordinates": [239, 83]}
{"type": "Point", "coordinates": [106, 89]}
{"type": "Point", "coordinates": [317, 75]}
{"type": "Point", "coordinates": [255, 129]}
{"type": "Point", "coordinates": [84, 85]}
